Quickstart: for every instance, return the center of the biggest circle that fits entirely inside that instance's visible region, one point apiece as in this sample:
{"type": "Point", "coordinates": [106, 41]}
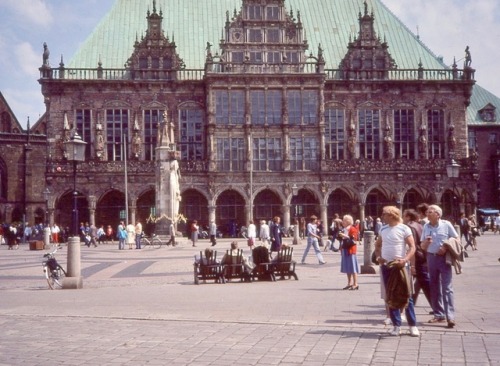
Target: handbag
{"type": "Point", "coordinates": [348, 243]}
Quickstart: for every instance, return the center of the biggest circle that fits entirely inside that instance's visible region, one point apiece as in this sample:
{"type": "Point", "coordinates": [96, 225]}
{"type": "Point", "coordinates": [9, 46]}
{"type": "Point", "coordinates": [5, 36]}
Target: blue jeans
{"type": "Point", "coordinates": [311, 241]}
{"type": "Point", "coordinates": [395, 314]}
{"type": "Point", "coordinates": [441, 275]}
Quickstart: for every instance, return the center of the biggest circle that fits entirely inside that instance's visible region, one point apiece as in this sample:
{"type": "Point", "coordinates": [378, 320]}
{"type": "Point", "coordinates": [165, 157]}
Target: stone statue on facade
{"type": "Point", "coordinates": [388, 144]}
{"type": "Point", "coordinates": [45, 55]}
{"type": "Point", "coordinates": [468, 58]}
{"type": "Point", "coordinates": [451, 138]}
{"type": "Point", "coordinates": [351, 143]}
{"type": "Point", "coordinates": [136, 145]}
{"type": "Point", "coordinates": [99, 145]}
{"type": "Point", "coordinates": [165, 131]}
{"type": "Point", "coordinates": [422, 142]}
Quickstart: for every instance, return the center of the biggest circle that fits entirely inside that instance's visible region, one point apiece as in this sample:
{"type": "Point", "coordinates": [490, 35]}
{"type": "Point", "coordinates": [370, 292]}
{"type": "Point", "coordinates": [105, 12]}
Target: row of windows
{"type": "Point", "coordinates": [259, 57]}
{"type": "Point", "coordinates": [370, 136]}
{"type": "Point", "coordinates": [257, 12]}
{"type": "Point", "coordinates": [266, 107]}
{"type": "Point", "coordinates": [258, 35]}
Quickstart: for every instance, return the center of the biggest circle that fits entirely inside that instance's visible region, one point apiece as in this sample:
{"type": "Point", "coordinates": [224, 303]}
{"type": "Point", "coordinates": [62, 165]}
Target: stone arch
{"type": "Point", "coordinates": [342, 201]}
{"type": "Point", "coordinates": [267, 203]}
{"type": "Point", "coordinates": [416, 195]}
{"type": "Point", "coordinates": [110, 208]}
{"type": "Point", "coordinates": [305, 203]}
{"type": "Point", "coordinates": [193, 206]}
{"type": "Point", "coordinates": [145, 206]}
{"type": "Point", "coordinates": [231, 211]}
{"type": "Point", "coordinates": [376, 198]}
{"type": "Point", "coordinates": [64, 213]}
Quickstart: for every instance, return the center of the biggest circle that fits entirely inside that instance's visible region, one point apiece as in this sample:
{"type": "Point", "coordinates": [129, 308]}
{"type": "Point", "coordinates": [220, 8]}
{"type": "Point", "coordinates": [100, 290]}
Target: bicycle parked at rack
{"type": "Point", "coordinates": [53, 271]}
{"type": "Point", "coordinates": [152, 241]}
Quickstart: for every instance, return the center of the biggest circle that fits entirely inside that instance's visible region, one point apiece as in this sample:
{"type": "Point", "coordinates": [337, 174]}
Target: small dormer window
{"type": "Point", "coordinates": [488, 113]}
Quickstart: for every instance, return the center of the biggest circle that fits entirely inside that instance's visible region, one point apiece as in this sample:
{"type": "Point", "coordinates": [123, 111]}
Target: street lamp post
{"type": "Point", "coordinates": [453, 172]}
{"type": "Point", "coordinates": [46, 197]}
{"type": "Point", "coordinates": [75, 148]}
{"type": "Point", "coordinates": [296, 234]}
{"type": "Point", "coordinates": [76, 152]}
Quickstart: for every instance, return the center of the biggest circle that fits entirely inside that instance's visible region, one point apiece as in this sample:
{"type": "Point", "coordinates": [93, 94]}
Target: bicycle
{"type": "Point", "coordinates": [53, 271]}
{"type": "Point", "coordinates": [153, 241]}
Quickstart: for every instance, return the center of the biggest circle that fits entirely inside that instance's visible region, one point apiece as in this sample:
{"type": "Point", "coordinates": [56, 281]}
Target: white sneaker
{"type": "Point", "coordinates": [387, 321]}
{"type": "Point", "coordinates": [395, 331]}
{"type": "Point", "coordinates": [414, 332]}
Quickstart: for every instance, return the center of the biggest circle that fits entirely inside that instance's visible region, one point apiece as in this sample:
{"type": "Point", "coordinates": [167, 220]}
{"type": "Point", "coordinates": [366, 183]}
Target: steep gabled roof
{"type": "Point", "coordinates": [480, 99]}
{"type": "Point", "coordinates": [193, 23]}
{"type": "Point", "coordinates": [14, 125]}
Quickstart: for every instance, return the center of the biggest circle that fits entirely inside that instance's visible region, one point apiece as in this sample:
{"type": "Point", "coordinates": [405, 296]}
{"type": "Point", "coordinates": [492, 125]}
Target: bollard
{"type": "Point", "coordinates": [46, 237]}
{"type": "Point", "coordinates": [368, 246]}
{"type": "Point", "coordinates": [296, 238]}
{"type": "Point", "coordinates": [73, 279]}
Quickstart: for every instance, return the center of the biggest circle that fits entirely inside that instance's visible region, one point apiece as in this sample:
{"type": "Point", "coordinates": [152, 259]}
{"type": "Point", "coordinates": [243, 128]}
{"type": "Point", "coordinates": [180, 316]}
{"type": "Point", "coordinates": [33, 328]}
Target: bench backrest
{"type": "Point", "coordinates": [285, 255]}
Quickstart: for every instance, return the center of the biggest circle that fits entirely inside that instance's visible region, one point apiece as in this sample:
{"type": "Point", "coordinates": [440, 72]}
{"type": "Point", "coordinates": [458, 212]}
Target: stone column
{"type": "Point", "coordinates": [324, 219]}
{"type": "Point", "coordinates": [91, 217]}
{"type": "Point", "coordinates": [368, 246]}
{"type": "Point", "coordinates": [133, 212]}
{"type": "Point", "coordinates": [211, 214]}
{"type": "Point", "coordinates": [286, 216]}
{"type": "Point", "coordinates": [73, 279]}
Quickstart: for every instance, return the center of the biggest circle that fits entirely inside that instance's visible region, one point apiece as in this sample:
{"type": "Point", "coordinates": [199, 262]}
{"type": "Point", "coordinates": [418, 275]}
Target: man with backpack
{"type": "Point", "coordinates": [420, 271]}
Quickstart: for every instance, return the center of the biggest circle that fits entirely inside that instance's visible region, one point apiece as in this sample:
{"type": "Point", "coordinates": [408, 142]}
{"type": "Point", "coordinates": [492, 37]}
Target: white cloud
{"type": "Point", "coordinates": [448, 26]}
{"type": "Point", "coordinates": [28, 102]}
{"type": "Point", "coordinates": [34, 12]}
{"type": "Point", "coordinates": [28, 59]}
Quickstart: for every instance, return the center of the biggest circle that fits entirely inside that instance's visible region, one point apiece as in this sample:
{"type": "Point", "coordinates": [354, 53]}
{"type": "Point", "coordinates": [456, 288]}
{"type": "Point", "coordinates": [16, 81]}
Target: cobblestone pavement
{"type": "Point", "coordinates": [141, 307]}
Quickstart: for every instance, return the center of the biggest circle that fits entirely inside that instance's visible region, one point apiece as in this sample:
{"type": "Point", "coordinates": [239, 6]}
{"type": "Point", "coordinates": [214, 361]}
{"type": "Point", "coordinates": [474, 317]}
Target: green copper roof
{"type": "Point", "coordinates": [480, 98]}
{"type": "Point", "coordinates": [193, 23]}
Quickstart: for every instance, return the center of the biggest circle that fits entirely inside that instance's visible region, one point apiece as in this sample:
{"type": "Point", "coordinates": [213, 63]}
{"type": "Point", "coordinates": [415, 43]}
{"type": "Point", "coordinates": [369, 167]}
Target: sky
{"type": "Point", "coordinates": [445, 26]}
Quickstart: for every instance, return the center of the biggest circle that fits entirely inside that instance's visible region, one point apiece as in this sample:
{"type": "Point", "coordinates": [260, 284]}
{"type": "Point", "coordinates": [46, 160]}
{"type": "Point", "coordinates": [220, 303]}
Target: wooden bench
{"type": "Point", "coordinates": [234, 267]}
{"type": "Point", "coordinates": [284, 265]}
{"type": "Point", "coordinates": [264, 269]}
{"type": "Point", "coordinates": [207, 269]}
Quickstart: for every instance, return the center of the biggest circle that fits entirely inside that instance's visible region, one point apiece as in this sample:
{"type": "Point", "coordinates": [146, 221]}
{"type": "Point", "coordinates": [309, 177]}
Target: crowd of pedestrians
{"type": "Point", "coordinates": [412, 249]}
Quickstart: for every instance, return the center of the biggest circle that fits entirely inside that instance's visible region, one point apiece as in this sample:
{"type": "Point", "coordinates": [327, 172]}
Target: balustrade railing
{"type": "Point", "coordinates": [213, 68]}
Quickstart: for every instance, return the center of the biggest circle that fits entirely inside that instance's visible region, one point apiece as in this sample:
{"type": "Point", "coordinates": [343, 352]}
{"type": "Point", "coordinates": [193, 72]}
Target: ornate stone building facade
{"type": "Point", "coordinates": [264, 129]}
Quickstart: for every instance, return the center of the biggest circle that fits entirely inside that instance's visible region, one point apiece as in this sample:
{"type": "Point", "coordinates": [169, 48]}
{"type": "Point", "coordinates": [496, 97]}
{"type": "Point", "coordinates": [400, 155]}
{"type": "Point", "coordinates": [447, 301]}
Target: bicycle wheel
{"type": "Point", "coordinates": [48, 276]}
{"type": "Point", "coordinates": [55, 278]}
{"type": "Point", "coordinates": [156, 242]}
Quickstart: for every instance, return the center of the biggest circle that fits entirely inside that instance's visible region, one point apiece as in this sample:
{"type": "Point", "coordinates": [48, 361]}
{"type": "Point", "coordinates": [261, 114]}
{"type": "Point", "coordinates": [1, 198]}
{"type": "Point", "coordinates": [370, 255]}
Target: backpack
{"type": "Point", "coordinates": [122, 234]}
{"type": "Point", "coordinates": [419, 252]}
